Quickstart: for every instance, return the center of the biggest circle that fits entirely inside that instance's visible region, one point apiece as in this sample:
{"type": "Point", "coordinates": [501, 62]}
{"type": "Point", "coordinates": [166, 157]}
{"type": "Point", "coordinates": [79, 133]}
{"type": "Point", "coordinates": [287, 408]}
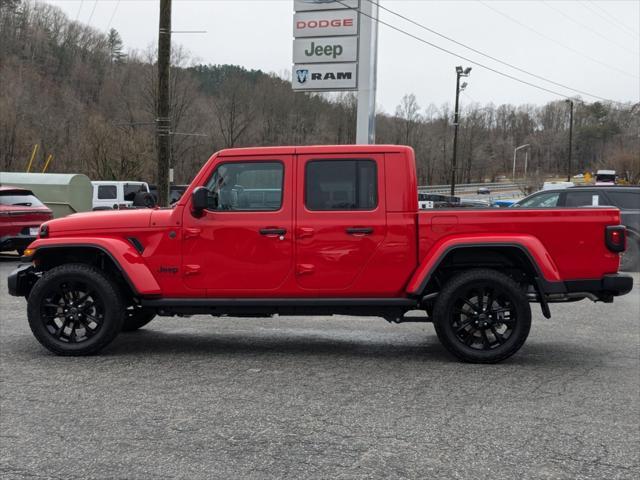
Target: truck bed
{"type": "Point", "coordinates": [572, 239]}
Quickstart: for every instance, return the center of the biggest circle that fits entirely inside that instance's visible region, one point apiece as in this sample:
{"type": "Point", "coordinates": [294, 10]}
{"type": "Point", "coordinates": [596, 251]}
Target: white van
{"type": "Point", "coordinates": [606, 177]}
{"type": "Point", "coordinates": [114, 195]}
{"type": "Point", "coordinates": [556, 185]}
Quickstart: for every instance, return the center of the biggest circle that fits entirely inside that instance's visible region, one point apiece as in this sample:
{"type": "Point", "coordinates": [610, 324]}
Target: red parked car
{"type": "Point", "coordinates": [317, 230]}
{"type": "Point", "coordinates": [21, 214]}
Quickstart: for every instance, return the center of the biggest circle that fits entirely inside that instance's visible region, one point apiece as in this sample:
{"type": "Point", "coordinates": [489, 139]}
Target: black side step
{"type": "Point", "coordinates": [279, 302]}
{"type": "Point", "coordinates": [375, 307]}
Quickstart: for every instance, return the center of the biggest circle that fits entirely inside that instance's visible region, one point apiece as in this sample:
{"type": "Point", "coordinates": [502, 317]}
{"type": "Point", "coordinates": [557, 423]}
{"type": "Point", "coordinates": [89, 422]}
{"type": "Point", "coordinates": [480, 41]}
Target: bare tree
{"type": "Point", "coordinates": [408, 114]}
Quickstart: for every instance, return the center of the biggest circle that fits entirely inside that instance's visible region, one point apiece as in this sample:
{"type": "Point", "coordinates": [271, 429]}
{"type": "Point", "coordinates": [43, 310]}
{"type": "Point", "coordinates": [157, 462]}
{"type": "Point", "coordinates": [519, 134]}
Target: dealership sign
{"type": "Point", "coordinates": [325, 45]}
{"type": "Point", "coordinates": [325, 49]}
{"type": "Point", "coordinates": [325, 76]}
{"type": "Point", "coordinates": [325, 24]}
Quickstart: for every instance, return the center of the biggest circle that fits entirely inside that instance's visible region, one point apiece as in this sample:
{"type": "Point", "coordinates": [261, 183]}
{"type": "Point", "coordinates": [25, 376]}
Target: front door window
{"type": "Point", "coordinates": [250, 186]}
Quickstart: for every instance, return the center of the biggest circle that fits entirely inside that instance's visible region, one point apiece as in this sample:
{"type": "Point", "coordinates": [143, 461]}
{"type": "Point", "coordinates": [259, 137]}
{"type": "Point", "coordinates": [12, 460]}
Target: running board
{"type": "Point", "coordinates": [381, 307]}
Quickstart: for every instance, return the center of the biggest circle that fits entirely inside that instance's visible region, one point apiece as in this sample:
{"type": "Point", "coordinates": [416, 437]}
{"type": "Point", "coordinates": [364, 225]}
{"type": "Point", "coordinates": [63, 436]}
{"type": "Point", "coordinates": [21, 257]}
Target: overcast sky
{"type": "Point", "coordinates": [588, 45]}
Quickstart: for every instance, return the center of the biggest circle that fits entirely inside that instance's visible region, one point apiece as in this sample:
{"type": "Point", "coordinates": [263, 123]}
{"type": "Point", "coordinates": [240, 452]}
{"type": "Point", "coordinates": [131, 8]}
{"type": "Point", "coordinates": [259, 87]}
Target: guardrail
{"type": "Point", "coordinates": [469, 187]}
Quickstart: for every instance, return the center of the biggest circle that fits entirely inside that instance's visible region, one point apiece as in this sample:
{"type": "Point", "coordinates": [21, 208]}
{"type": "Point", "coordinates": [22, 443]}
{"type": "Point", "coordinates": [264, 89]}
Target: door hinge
{"type": "Point", "coordinates": [304, 232]}
{"type": "Point", "coordinates": [305, 268]}
{"type": "Point", "coordinates": [192, 232]}
{"type": "Point", "coordinates": [191, 270]}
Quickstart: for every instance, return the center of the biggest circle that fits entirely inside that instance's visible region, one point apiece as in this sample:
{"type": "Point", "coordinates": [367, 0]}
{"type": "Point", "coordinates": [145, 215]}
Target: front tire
{"type": "Point", "coordinates": [482, 316]}
{"type": "Point", "coordinates": [75, 309]}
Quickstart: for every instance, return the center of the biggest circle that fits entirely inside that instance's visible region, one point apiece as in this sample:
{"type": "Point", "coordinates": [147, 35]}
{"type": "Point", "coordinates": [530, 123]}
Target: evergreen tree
{"type": "Point", "coordinates": [114, 42]}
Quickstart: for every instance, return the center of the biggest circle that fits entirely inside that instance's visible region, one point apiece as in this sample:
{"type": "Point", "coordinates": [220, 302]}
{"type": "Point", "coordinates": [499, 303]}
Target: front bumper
{"type": "Point", "coordinates": [15, 242]}
{"type": "Point", "coordinates": [21, 280]}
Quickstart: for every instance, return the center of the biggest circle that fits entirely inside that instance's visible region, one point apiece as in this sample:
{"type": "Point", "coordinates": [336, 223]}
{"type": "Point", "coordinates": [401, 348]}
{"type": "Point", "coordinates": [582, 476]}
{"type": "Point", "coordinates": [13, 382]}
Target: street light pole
{"type": "Point", "coordinates": [515, 151]}
{"type": "Point", "coordinates": [459, 73]}
{"type": "Point", "coordinates": [570, 102]}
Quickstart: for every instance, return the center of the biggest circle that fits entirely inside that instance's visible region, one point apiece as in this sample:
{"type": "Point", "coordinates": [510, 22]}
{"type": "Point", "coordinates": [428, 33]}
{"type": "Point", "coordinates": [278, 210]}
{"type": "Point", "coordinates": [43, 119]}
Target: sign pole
{"type": "Point", "coordinates": [367, 72]}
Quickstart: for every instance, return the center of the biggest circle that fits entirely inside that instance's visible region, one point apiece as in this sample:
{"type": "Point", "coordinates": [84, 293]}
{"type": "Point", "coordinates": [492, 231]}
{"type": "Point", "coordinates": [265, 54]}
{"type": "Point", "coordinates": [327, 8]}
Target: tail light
{"type": "Point", "coordinates": [616, 238]}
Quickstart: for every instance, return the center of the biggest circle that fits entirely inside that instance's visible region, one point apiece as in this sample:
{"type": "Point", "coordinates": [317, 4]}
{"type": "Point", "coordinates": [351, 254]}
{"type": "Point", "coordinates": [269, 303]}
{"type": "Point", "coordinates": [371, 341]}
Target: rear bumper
{"type": "Point", "coordinates": [15, 242]}
{"type": "Point", "coordinates": [614, 284]}
{"type": "Point", "coordinates": [21, 280]}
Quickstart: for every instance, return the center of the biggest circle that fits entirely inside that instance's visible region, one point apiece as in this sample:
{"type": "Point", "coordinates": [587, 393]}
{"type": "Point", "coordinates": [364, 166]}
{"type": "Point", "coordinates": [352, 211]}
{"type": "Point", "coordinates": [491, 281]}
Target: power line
{"type": "Point", "coordinates": [95, 4]}
{"type": "Point", "coordinates": [79, 8]}
{"type": "Point", "coordinates": [586, 27]}
{"type": "Point", "coordinates": [539, 77]}
{"type": "Point", "coordinates": [619, 70]}
{"type": "Point", "coordinates": [474, 62]}
{"type": "Point", "coordinates": [609, 19]}
{"type": "Point", "coordinates": [614, 19]}
{"type": "Point", "coordinates": [115, 9]}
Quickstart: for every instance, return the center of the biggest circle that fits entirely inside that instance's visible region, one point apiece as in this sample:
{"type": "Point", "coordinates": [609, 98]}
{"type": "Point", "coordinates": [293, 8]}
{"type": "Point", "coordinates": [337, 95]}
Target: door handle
{"type": "Point", "coordinates": [273, 231]}
{"type": "Point", "coordinates": [359, 230]}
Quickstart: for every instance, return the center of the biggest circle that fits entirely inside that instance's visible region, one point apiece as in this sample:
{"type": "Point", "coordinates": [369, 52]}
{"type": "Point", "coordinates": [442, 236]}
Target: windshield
{"type": "Point", "coordinates": [544, 200]}
{"type": "Point", "coordinates": [24, 200]}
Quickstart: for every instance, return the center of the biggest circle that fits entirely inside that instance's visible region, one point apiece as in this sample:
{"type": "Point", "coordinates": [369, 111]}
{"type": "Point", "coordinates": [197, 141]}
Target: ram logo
{"type": "Point", "coordinates": [302, 75]}
{"type": "Point", "coordinates": [331, 76]}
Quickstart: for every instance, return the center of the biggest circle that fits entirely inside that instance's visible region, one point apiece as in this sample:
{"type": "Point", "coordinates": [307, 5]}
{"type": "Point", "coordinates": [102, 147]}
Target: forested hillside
{"type": "Point", "coordinates": [81, 96]}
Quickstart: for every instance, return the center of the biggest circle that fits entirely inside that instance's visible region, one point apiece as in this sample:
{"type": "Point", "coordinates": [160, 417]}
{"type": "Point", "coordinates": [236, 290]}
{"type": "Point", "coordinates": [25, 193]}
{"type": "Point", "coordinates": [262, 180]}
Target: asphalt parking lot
{"type": "Point", "coordinates": [333, 397]}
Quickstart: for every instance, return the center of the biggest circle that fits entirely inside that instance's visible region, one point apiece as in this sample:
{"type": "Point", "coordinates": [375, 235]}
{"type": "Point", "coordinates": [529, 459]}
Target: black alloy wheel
{"type": "Point", "coordinates": [482, 316]}
{"type": "Point", "coordinates": [75, 309]}
{"type": "Point", "coordinates": [72, 311]}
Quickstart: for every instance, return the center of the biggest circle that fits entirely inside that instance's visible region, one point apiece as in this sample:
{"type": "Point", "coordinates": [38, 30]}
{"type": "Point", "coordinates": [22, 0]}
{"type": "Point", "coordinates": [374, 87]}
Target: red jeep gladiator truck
{"type": "Point", "coordinates": [317, 230]}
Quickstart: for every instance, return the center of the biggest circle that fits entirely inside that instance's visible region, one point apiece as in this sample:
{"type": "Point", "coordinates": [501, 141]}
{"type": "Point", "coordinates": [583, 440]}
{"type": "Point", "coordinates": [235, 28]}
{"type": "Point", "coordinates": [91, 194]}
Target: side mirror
{"type": "Point", "coordinates": [199, 199]}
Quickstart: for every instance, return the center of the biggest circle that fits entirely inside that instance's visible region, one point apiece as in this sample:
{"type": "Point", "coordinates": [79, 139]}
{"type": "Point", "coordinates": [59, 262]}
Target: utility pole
{"type": "Point", "coordinates": [459, 73]}
{"type": "Point", "coordinates": [570, 102]}
{"type": "Point", "coordinates": [163, 119]}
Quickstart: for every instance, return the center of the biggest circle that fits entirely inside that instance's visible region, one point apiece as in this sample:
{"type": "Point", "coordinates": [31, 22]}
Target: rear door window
{"type": "Point", "coordinates": [341, 185]}
{"type": "Point", "coordinates": [107, 192]}
{"type": "Point", "coordinates": [584, 199]}
{"type": "Point", "coordinates": [625, 200]}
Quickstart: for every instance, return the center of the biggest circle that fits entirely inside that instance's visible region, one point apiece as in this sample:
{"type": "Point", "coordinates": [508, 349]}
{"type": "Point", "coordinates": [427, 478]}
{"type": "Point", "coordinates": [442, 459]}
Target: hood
{"type": "Point", "coordinates": [101, 220]}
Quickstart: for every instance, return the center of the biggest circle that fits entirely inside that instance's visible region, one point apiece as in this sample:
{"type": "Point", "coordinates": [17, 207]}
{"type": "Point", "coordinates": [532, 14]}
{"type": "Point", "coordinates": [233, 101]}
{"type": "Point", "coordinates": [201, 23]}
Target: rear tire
{"type": "Point", "coordinates": [482, 316]}
{"type": "Point", "coordinates": [136, 317]}
{"type": "Point", "coordinates": [75, 309]}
